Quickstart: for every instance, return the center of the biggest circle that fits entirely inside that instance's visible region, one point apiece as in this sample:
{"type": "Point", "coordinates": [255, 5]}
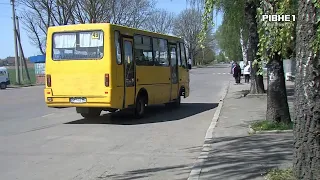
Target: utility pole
{"type": "Point", "coordinates": [20, 50]}
{"type": "Point", "coordinates": [15, 43]}
{"type": "Point", "coordinates": [24, 61]}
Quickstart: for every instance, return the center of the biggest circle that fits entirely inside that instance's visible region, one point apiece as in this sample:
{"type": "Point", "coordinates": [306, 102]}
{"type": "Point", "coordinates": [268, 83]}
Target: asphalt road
{"type": "Point", "coordinates": [38, 143]}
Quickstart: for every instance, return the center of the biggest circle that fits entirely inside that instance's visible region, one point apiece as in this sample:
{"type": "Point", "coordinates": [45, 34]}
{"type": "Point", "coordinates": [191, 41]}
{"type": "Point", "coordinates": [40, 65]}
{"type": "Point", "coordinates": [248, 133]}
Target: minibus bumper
{"type": "Point", "coordinates": [66, 102]}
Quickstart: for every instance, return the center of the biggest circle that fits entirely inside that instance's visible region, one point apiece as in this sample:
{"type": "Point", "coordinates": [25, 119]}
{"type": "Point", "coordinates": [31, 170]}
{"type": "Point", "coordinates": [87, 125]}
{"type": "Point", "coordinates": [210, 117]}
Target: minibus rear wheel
{"type": "Point", "coordinates": [92, 113]}
{"type": "Point", "coordinates": [3, 85]}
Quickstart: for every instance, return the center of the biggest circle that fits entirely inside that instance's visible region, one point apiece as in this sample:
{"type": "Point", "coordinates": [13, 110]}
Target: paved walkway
{"type": "Point", "coordinates": [235, 154]}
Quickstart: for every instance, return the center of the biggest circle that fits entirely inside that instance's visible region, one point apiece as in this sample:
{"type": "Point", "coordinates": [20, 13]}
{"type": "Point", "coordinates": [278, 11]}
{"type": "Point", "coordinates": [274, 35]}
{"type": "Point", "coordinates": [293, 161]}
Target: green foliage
{"type": "Point", "coordinates": [207, 19]}
{"type": "Point", "coordinates": [258, 64]}
{"type": "Point", "coordinates": [267, 125]}
{"type": "Point", "coordinates": [205, 57]}
{"type": "Point", "coordinates": [280, 174]}
{"type": "Point", "coordinates": [221, 57]}
{"type": "Point", "coordinates": [316, 43]}
{"type": "Point", "coordinates": [275, 37]}
{"type": "Point", "coordinates": [228, 34]}
{"type": "Point", "coordinates": [228, 37]}
{"type": "Point", "coordinates": [12, 76]}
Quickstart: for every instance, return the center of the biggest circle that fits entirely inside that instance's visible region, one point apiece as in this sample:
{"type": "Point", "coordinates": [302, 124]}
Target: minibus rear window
{"type": "Point", "coordinates": [83, 45]}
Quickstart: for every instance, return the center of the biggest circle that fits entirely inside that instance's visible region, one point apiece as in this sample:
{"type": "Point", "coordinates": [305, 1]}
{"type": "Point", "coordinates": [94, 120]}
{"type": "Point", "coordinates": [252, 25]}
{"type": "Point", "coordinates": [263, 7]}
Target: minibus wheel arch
{"type": "Point", "coordinates": [183, 91]}
{"type": "Point", "coordinates": [143, 93]}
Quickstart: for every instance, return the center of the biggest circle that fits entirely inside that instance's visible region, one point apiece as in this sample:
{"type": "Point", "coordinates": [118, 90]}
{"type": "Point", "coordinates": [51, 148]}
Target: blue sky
{"type": "Point", "coordinates": [6, 31]}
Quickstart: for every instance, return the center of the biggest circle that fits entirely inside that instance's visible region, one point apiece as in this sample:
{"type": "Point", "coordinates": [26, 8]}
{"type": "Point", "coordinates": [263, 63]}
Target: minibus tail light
{"type": "Point", "coordinates": [106, 80]}
{"type": "Point", "coordinates": [48, 80]}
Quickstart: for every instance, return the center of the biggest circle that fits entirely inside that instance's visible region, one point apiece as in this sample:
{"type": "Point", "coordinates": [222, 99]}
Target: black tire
{"type": "Point", "coordinates": [3, 85]}
{"type": "Point", "coordinates": [140, 107]}
{"type": "Point", "coordinates": [175, 104]}
{"type": "Point", "coordinates": [93, 113]}
{"type": "Point", "coordinates": [111, 110]}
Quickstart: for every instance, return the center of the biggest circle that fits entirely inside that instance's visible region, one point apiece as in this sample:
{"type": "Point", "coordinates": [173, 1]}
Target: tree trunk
{"type": "Point", "coordinates": [306, 160]}
{"type": "Point", "coordinates": [277, 101]}
{"type": "Point", "coordinates": [257, 86]}
{"type": "Point", "coordinates": [243, 47]}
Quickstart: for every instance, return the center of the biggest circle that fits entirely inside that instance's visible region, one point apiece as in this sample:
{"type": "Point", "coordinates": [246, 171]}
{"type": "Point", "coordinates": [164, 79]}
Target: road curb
{"type": "Point", "coordinates": [256, 95]}
{"type": "Point", "coordinates": [197, 167]}
{"type": "Point", "coordinates": [252, 131]}
{"type": "Point", "coordinates": [22, 86]}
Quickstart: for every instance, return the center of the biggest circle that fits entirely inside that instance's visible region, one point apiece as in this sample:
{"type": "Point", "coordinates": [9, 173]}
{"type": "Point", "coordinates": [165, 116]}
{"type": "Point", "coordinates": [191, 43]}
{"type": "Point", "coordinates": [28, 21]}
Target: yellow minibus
{"type": "Point", "coordinates": [106, 67]}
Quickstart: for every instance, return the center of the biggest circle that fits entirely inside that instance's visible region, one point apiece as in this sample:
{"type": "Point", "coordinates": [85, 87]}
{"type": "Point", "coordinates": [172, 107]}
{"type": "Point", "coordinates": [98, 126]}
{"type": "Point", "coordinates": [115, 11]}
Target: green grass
{"type": "Point", "coordinates": [266, 125]}
{"type": "Point", "coordinates": [12, 76]}
{"type": "Point", "coordinates": [280, 174]}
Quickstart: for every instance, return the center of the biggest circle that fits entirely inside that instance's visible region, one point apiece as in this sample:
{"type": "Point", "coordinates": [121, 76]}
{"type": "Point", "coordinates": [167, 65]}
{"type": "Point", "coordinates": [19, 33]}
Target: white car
{"type": "Point", "coordinates": [4, 78]}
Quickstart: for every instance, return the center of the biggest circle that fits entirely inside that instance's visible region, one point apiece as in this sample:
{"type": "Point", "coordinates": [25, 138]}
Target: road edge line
{"type": "Point", "coordinates": [197, 167]}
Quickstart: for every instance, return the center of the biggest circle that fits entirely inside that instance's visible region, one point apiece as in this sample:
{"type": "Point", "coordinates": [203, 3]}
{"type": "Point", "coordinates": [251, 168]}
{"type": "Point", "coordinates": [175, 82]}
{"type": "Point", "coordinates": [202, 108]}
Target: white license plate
{"type": "Point", "coordinates": [78, 100]}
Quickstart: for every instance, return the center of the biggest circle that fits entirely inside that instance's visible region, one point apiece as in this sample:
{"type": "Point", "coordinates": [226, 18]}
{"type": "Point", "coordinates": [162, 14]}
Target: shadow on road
{"type": "Point", "coordinates": [241, 158]}
{"type": "Point", "coordinates": [154, 114]}
{"type": "Point", "coordinates": [246, 157]}
{"type": "Point", "coordinates": [149, 172]}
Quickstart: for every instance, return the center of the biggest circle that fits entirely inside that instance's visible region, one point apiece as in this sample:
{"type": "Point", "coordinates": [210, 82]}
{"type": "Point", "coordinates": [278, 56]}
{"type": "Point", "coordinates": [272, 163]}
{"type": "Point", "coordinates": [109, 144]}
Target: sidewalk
{"type": "Point", "coordinates": [235, 154]}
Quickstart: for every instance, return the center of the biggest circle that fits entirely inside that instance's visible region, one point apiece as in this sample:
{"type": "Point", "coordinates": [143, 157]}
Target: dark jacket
{"type": "Point", "coordinates": [237, 71]}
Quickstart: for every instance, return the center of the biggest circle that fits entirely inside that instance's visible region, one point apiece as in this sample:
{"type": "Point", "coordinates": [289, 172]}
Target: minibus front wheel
{"type": "Point", "coordinates": [140, 107]}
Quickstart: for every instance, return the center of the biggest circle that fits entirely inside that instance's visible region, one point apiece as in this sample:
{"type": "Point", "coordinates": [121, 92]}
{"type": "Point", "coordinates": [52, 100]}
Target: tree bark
{"type": "Point", "coordinates": [306, 160]}
{"type": "Point", "coordinates": [277, 101]}
{"type": "Point", "coordinates": [244, 47]}
{"type": "Point", "coordinates": [257, 85]}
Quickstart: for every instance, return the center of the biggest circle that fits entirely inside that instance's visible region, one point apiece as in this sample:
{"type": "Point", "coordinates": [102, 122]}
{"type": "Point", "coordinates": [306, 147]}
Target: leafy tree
{"type": "Point", "coordinates": [241, 13]}
{"type": "Point", "coordinates": [228, 41]}
{"type": "Point", "coordinates": [276, 43]}
{"type": "Point", "coordinates": [206, 57]}
{"type": "Point", "coordinates": [221, 57]}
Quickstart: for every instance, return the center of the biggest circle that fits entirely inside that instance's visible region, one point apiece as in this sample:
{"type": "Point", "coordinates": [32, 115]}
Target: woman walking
{"type": "Point", "coordinates": [237, 73]}
{"type": "Point", "coordinates": [246, 73]}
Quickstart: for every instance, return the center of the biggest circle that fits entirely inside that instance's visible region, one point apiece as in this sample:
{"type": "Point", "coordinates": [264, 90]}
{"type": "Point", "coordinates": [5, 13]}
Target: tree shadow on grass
{"type": "Point", "coordinates": [155, 114]}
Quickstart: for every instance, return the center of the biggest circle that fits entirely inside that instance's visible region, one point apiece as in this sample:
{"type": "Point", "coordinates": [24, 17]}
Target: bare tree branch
{"type": "Point", "coordinates": [188, 25]}
{"type": "Point", "coordinates": [41, 14]}
{"type": "Point", "coordinates": [160, 21]}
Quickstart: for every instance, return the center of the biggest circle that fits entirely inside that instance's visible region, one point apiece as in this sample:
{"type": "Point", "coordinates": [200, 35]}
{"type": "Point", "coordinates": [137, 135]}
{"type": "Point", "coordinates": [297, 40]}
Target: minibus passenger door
{"type": "Point", "coordinates": [174, 71]}
{"type": "Point", "coordinates": [129, 72]}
